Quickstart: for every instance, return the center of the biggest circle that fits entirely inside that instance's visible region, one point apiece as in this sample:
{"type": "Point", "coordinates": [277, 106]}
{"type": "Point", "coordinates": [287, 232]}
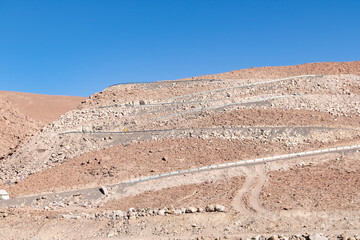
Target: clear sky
{"type": "Point", "coordinates": [75, 47]}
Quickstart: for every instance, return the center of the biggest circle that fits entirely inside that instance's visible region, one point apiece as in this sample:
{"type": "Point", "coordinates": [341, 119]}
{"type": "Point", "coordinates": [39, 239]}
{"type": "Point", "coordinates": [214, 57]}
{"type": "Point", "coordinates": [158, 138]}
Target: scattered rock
{"type": "Point", "coordinates": [177, 212]}
{"type": "Point", "coordinates": [71, 216]}
{"type": "Point", "coordinates": [191, 210]}
{"type": "Point", "coordinates": [219, 208]}
{"type": "Point", "coordinates": [274, 237]}
{"type": "Point", "coordinates": [210, 208]}
{"type": "Point", "coordinates": [161, 212]}
{"type": "Point", "coordinates": [317, 237]}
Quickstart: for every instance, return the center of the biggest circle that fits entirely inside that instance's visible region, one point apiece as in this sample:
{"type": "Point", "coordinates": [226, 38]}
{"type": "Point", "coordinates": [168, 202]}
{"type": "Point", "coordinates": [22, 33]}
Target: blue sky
{"type": "Point", "coordinates": [81, 47]}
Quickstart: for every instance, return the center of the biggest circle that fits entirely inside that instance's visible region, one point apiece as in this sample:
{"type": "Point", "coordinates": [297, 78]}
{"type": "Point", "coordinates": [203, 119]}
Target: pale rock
{"type": "Point", "coordinates": [210, 208]}
{"type": "Point", "coordinates": [274, 237]}
{"type": "Point", "coordinates": [317, 237]}
{"type": "Point", "coordinates": [177, 211]}
{"type": "Point", "coordinates": [118, 213]}
{"type": "Point", "coordinates": [219, 208]}
{"type": "Point", "coordinates": [191, 210]}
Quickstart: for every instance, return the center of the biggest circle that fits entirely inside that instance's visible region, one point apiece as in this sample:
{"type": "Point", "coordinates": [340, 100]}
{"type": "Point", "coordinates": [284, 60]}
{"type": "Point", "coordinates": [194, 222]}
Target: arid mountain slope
{"type": "Point", "coordinates": [14, 127]}
{"type": "Point", "coordinates": [321, 68]}
{"type": "Point", "coordinates": [179, 128]}
{"type": "Point", "coordinates": [43, 108]}
{"type": "Point", "coordinates": [23, 114]}
{"type": "Point", "coordinates": [133, 93]}
{"type": "Point", "coordinates": [334, 94]}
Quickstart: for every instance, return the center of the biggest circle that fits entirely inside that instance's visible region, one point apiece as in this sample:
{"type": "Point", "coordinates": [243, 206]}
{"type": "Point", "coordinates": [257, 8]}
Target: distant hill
{"type": "Point", "coordinates": [43, 108]}
{"type": "Point", "coordinates": [325, 68]}
{"type": "Point", "coordinates": [23, 114]}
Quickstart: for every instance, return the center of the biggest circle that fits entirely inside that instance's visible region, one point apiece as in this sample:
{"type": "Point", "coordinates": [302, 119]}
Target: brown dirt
{"type": "Point", "coordinates": [133, 94]}
{"type": "Point", "coordinates": [23, 114]}
{"type": "Point", "coordinates": [44, 108]}
{"type": "Point", "coordinates": [195, 195]}
{"type": "Point", "coordinates": [312, 193]}
{"type": "Point", "coordinates": [333, 185]}
{"type": "Point", "coordinates": [324, 68]}
{"type": "Point", "coordinates": [14, 127]}
{"type": "Point", "coordinates": [269, 117]}
{"type": "Point", "coordinates": [121, 163]}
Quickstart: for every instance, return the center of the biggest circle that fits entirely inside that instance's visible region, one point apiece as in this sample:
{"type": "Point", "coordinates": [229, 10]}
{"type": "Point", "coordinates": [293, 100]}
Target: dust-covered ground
{"type": "Point", "coordinates": [68, 180]}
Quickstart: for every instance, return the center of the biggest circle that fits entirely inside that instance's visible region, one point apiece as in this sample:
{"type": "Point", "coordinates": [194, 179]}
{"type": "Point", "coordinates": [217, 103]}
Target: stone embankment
{"type": "Point", "coordinates": [315, 236]}
{"type": "Point", "coordinates": [133, 213]}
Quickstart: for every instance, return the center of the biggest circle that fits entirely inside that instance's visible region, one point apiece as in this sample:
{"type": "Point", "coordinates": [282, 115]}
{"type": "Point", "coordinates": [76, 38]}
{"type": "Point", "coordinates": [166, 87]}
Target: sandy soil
{"type": "Point", "coordinates": [24, 114]}
{"type": "Point", "coordinates": [43, 108]}
{"type": "Point", "coordinates": [198, 195]}
{"type": "Point", "coordinates": [333, 185]}
{"type": "Point", "coordinates": [267, 117]}
{"type": "Point", "coordinates": [207, 226]}
{"type": "Point", "coordinates": [14, 127]}
{"type": "Point", "coordinates": [312, 194]}
{"type": "Point", "coordinates": [325, 68]}
{"type": "Point", "coordinates": [121, 163]}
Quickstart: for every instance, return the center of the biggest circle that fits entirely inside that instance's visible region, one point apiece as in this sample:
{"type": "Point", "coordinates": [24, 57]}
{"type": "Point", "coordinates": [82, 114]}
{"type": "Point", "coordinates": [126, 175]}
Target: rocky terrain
{"type": "Point", "coordinates": [15, 127]}
{"type": "Point", "coordinates": [24, 114]}
{"type": "Point", "coordinates": [323, 68]}
{"type": "Point", "coordinates": [74, 177]}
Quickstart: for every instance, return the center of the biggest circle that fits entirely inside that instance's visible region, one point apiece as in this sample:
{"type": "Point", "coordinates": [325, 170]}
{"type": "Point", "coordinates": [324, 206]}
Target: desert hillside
{"type": "Point", "coordinates": [319, 68]}
{"type": "Point", "coordinates": [15, 126]}
{"type": "Point", "coordinates": [269, 153]}
{"type": "Point", "coordinates": [23, 114]}
{"type": "Point", "coordinates": [43, 108]}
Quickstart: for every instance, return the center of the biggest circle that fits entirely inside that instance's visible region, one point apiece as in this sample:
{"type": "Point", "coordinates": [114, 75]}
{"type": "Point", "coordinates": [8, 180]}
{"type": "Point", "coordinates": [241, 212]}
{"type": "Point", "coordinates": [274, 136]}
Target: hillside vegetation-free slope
{"type": "Point", "coordinates": [139, 130]}
{"type": "Point", "coordinates": [120, 120]}
{"type": "Point", "coordinates": [43, 108]}
{"type": "Point", "coordinates": [324, 68]}
{"type": "Point", "coordinates": [23, 114]}
{"type": "Point", "coordinates": [14, 127]}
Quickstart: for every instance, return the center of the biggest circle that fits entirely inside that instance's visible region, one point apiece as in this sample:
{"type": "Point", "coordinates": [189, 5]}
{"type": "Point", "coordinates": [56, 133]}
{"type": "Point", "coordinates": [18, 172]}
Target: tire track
{"type": "Point", "coordinates": [259, 182]}
{"type": "Point", "coordinates": [238, 203]}
{"type": "Point", "coordinates": [246, 200]}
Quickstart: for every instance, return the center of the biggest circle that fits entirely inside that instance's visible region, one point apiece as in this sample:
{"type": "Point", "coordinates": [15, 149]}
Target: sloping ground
{"type": "Point", "coordinates": [43, 108]}
{"type": "Point", "coordinates": [329, 95]}
{"type": "Point", "coordinates": [23, 114]}
{"type": "Point", "coordinates": [333, 185]}
{"type": "Point", "coordinates": [267, 117]}
{"type": "Point", "coordinates": [198, 195]}
{"type": "Point", "coordinates": [246, 119]}
{"type": "Point", "coordinates": [14, 127]}
{"type": "Point", "coordinates": [325, 68]}
{"type": "Point", "coordinates": [188, 90]}
{"type": "Point", "coordinates": [121, 163]}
